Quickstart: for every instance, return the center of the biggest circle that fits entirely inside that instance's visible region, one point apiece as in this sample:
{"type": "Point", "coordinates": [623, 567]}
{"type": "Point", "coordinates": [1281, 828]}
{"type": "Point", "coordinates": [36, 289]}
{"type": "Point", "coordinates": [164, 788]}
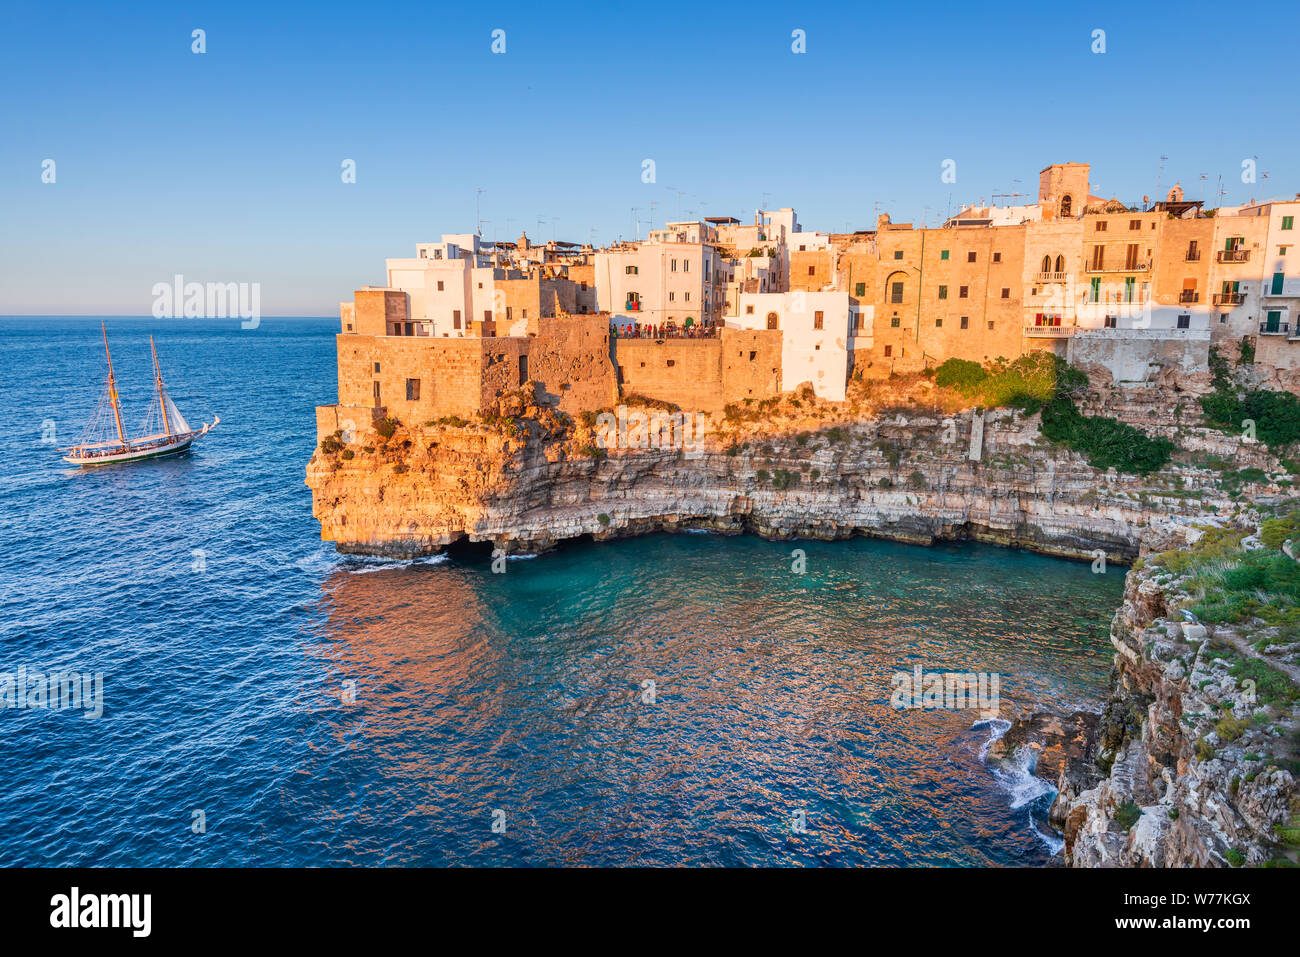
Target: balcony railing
{"type": "Point", "coordinates": [1228, 298]}
{"type": "Point", "coordinates": [1050, 277]}
{"type": "Point", "coordinates": [633, 306]}
{"type": "Point", "coordinates": [1127, 267]}
{"type": "Point", "coordinates": [1274, 328]}
{"type": "Point", "coordinates": [1048, 332]}
{"type": "Point", "coordinates": [1193, 256]}
{"type": "Point", "coordinates": [1189, 295]}
{"type": "Point", "coordinates": [1232, 255]}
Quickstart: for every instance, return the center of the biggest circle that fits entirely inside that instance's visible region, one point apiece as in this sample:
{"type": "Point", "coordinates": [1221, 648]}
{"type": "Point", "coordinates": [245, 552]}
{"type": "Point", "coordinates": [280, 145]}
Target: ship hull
{"type": "Point", "coordinates": [131, 455]}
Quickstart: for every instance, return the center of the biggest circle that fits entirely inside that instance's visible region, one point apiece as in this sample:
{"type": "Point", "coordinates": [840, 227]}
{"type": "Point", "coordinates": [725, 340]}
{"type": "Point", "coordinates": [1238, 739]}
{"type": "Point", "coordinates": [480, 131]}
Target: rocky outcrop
{"type": "Point", "coordinates": [1186, 766]}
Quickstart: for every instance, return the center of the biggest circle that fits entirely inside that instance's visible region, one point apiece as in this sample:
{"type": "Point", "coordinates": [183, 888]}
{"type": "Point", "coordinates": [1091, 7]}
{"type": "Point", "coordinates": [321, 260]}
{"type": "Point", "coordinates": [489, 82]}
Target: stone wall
{"type": "Point", "coordinates": [702, 374]}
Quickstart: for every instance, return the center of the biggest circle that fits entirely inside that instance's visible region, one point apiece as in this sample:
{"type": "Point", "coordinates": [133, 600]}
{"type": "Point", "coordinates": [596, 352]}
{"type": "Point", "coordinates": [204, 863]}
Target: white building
{"type": "Point", "coordinates": [653, 283]}
{"type": "Point", "coordinates": [449, 282]}
{"type": "Point", "coordinates": [819, 333]}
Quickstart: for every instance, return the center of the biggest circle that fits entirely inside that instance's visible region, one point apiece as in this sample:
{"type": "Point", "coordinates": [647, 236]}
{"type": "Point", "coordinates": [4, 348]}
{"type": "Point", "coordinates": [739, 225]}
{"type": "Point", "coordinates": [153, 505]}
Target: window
{"type": "Point", "coordinates": [1131, 256]}
{"type": "Point", "coordinates": [1006, 292]}
{"type": "Point", "coordinates": [439, 285]}
{"type": "Point", "coordinates": [772, 319]}
{"type": "Point", "coordinates": [1185, 321]}
{"type": "Point", "coordinates": [1094, 289]}
{"type": "Point", "coordinates": [412, 390]}
{"type": "Point", "coordinates": [1065, 205]}
{"type": "Point", "coordinates": [1060, 264]}
{"type": "Point", "coordinates": [818, 316]}
{"type": "Point", "coordinates": [671, 363]}
{"type": "Point", "coordinates": [1110, 322]}
{"type": "Point", "coordinates": [943, 254]}
{"type": "Point", "coordinates": [1288, 222]}
{"type": "Point", "coordinates": [487, 315]}
{"type": "Point", "coordinates": [860, 289]}
{"type": "Point", "coordinates": [688, 297]}
{"type": "Point", "coordinates": [1100, 226]}
{"type": "Point", "coordinates": [1135, 224]}
{"type": "Point", "coordinates": [963, 292]}
{"type": "Point", "coordinates": [510, 313]}
{"type": "Point", "coordinates": [455, 319]}
{"type": "Point", "coordinates": [671, 296]}
{"type": "Point", "coordinates": [893, 322]}
{"type": "Point", "coordinates": [1281, 250]}
{"type": "Point", "coordinates": [898, 254]}
{"type": "Point", "coordinates": [749, 310]}
{"type": "Point", "coordinates": [377, 402]}
{"type": "Point", "coordinates": [1278, 279]}
{"type": "Point", "coordinates": [376, 368]}
{"type": "Point", "coordinates": [965, 321]}
{"type": "Point", "coordinates": [990, 323]}
{"type": "Point", "coordinates": [970, 257]}
{"type": "Point", "coordinates": [523, 369]}
{"type": "Point", "coordinates": [1098, 257]}
{"type": "Point", "coordinates": [812, 270]}
{"type": "Point", "coordinates": [938, 323]}
{"type": "Point", "coordinates": [631, 270]}
{"type": "Point", "coordinates": [889, 351]}
{"type": "Point", "coordinates": [674, 269]}
{"type": "Point", "coordinates": [997, 257]}
{"type": "Point", "coordinates": [943, 292]}
{"type": "Point", "coordinates": [896, 292]}
{"type": "Point", "coordinates": [686, 265]}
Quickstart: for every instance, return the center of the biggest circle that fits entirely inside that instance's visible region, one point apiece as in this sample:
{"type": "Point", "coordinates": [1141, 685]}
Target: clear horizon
{"type": "Point", "coordinates": [225, 166]}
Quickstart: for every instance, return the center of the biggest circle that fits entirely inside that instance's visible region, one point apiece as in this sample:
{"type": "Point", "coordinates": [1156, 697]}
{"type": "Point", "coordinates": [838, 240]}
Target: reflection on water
{"type": "Point", "coordinates": [524, 693]}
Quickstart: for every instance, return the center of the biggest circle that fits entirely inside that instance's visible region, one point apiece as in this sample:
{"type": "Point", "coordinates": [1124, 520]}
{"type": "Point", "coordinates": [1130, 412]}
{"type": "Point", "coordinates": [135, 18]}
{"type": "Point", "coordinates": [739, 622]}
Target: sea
{"type": "Point", "coordinates": [687, 699]}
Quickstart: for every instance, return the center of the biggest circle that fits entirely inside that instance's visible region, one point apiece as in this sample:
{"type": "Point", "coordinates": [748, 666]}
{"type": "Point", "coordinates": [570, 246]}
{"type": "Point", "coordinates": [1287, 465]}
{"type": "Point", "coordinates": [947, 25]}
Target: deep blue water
{"type": "Point", "coordinates": [224, 687]}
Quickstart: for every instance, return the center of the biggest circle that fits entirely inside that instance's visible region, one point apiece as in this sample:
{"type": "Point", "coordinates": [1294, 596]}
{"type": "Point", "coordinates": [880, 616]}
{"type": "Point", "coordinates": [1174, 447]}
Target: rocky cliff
{"type": "Point", "coordinates": [910, 472]}
{"type": "Point", "coordinates": [1192, 761]}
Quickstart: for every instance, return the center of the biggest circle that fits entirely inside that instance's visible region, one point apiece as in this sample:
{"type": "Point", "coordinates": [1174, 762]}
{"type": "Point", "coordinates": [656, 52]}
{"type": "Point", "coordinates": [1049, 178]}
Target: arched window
{"type": "Point", "coordinates": [1047, 264]}
{"type": "Point", "coordinates": [1060, 264]}
{"type": "Point", "coordinates": [1065, 205]}
{"type": "Point", "coordinates": [771, 320]}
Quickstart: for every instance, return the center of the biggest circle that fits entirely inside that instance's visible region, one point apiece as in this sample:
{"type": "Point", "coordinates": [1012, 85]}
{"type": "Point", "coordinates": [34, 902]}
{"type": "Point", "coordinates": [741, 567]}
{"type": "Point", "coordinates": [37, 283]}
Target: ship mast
{"type": "Point", "coordinates": [162, 401]}
{"type": "Point", "coordinates": [112, 389]}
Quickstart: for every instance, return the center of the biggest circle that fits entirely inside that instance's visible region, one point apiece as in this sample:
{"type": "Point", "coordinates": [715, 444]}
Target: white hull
{"type": "Point", "coordinates": [150, 448]}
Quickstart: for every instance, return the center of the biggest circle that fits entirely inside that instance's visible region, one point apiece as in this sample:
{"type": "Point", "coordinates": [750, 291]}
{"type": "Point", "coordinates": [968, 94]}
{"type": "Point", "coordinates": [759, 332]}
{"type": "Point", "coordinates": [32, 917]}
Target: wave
{"type": "Point", "coordinates": [1014, 776]}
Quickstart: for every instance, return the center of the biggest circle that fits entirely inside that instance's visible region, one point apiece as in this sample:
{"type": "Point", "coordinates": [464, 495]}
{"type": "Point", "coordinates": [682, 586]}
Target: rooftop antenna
{"type": "Point", "coordinates": [653, 203]}
{"type": "Point", "coordinates": [1203, 179]}
{"type": "Point", "coordinates": [637, 221]}
{"type": "Point", "coordinates": [478, 217]}
{"type": "Point", "coordinates": [1160, 176]}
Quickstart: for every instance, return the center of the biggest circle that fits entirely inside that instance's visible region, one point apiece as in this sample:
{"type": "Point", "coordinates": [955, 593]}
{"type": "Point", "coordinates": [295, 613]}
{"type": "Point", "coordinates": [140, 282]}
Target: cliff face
{"type": "Point", "coordinates": [901, 476]}
{"type": "Point", "coordinates": [1186, 766]}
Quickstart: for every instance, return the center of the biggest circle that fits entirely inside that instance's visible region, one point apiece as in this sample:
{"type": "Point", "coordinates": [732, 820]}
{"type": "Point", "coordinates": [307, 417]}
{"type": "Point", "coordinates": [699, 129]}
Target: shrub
{"type": "Point", "coordinates": [331, 443]}
{"type": "Point", "coordinates": [1127, 814]}
{"type": "Point", "coordinates": [1276, 414]}
{"type": "Point", "coordinates": [916, 480]}
{"type": "Point", "coordinates": [1230, 728]}
{"type": "Point", "coordinates": [1235, 857]}
{"type": "Point", "coordinates": [763, 476]}
{"type": "Point", "coordinates": [1104, 442]}
{"type": "Point", "coordinates": [959, 374]}
{"type": "Point", "coordinates": [387, 426]}
{"type": "Point", "coordinates": [347, 454]}
{"type": "Point", "coordinates": [603, 518]}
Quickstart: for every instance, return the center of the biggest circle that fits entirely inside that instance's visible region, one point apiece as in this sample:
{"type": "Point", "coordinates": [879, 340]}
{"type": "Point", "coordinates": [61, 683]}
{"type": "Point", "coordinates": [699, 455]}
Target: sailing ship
{"type": "Point", "coordinates": [163, 432]}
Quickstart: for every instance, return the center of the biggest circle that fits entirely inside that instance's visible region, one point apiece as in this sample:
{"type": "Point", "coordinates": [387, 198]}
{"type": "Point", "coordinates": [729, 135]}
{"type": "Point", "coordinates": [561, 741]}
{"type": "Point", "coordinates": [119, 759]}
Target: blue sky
{"type": "Point", "coordinates": [225, 166]}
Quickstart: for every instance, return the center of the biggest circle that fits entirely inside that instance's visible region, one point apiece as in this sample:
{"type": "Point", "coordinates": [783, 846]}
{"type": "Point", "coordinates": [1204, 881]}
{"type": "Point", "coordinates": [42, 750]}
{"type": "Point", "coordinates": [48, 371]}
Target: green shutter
{"type": "Point", "coordinates": [1277, 283]}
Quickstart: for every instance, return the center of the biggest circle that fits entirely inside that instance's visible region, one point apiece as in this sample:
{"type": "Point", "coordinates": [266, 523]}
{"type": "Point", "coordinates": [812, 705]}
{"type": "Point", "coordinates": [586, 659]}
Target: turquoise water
{"type": "Point", "coordinates": [230, 640]}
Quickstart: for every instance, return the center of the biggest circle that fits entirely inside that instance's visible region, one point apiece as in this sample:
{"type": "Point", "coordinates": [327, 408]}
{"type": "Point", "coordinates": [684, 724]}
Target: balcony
{"type": "Point", "coordinates": [1232, 255]}
{"type": "Point", "coordinates": [1274, 328]}
{"type": "Point", "coordinates": [633, 305]}
{"type": "Point", "coordinates": [1050, 277]}
{"type": "Point", "coordinates": [1048, 332]}
{"type": "Point", "coordinates": [1193, 256]}
{"type": "Point", "coordinates": [1189, 295]}
{"type": "Point", "coordinates": [1228, 298]}
{"type": "Point", "coordinates": [1132, 266]}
